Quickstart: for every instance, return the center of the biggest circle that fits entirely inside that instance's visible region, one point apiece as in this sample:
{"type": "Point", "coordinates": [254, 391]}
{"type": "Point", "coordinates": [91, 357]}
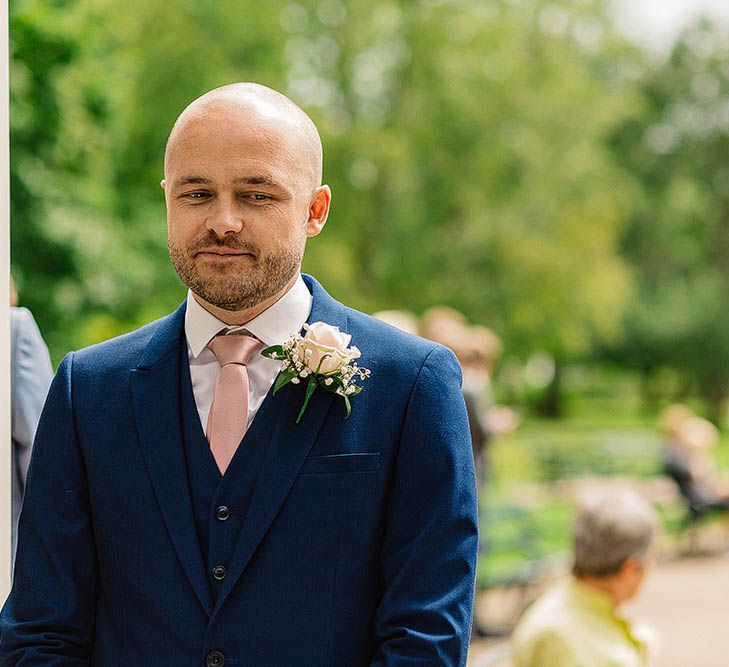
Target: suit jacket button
{"type": "Point", "coordinates": [214, 659]}
{"type": "Point", "coordinates": [222, 513]}
{"type": "Point", "coordinates": [219, 572]}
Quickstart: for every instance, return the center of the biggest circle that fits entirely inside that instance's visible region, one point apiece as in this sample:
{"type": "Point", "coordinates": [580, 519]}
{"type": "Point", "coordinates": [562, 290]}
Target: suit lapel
{"type": "Point", "coordinates": [156, 398]}
{"type": "Point", "coordinates": [287, 449]}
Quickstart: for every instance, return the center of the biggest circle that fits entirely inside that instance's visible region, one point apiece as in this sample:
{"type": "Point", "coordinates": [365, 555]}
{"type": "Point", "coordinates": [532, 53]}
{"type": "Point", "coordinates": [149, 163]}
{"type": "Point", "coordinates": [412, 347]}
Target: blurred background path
{"type": "Point", "coordinates": [684, 602]}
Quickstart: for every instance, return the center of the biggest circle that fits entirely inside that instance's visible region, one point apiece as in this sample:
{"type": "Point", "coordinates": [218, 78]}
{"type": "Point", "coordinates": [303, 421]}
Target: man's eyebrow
{"type": "Point", "coordinates": [256, 180]}
{"type": "Point", "coordinates": [191, 180]}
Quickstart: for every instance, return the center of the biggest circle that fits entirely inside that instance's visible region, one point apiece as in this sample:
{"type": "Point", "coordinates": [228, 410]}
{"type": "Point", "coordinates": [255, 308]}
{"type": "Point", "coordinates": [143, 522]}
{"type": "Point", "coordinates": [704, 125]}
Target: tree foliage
{"type": "Point", "coordinates": [516, 160]}
{"type": "Point", "coordinates": [676, 143]}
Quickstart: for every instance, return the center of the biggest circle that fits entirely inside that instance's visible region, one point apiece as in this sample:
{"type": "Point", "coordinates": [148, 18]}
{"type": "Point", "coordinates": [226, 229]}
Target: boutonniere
{"type": "Point", "coordinates": [321, 358]}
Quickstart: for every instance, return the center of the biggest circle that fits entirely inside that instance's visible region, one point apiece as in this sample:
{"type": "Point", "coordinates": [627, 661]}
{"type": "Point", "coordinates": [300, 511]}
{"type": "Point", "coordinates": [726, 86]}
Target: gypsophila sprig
{"type": "Point", "coordinates": [322, 358]}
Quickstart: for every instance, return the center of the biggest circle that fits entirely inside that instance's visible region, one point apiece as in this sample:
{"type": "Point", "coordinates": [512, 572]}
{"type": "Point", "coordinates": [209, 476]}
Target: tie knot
{"type": "Point", "coordinates": [234, 349]}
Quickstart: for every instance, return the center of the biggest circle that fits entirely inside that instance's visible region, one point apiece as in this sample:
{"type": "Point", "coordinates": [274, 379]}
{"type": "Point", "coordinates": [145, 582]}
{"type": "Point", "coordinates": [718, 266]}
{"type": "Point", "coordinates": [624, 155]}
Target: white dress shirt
{"type": "Point", "coordinates": [272, 327]}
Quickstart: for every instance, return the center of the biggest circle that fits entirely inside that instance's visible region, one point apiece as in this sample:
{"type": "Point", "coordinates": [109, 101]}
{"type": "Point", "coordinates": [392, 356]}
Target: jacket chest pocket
{"type": "Point", "coordinates": [337, 463]}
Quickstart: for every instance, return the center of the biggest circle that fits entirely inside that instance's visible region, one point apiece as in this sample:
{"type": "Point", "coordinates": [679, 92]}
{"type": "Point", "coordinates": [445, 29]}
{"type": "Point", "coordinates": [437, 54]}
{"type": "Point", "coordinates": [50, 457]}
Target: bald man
{"type": "Point", "coordinates": [179, 511]}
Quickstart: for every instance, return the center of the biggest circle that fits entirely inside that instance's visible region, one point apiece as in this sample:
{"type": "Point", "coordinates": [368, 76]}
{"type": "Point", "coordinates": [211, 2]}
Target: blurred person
{"type": "Point", "coordinates": [30, 377]}
{"type": "Point", "coordinates": [688, 458]}
{"type": "Point", "coordinates": [577, 623]}
{"type": "Point", "coordinates": [477, 349]}
{"type": "Point", "coordinates": [478, 353]}
{"type": "Point", "coordinates": [267, 538]}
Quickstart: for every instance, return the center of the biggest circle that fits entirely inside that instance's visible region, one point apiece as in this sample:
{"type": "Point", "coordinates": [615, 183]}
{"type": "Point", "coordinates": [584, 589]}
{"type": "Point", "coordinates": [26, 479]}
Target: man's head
{"type": "Point", "coordinates": [613, 535]}
{"type": "Point", "coordinates": [243, 167]}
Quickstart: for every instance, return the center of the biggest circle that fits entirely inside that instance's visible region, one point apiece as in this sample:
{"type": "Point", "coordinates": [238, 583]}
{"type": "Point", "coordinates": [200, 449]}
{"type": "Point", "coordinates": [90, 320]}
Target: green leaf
{"type": "Point", "coordinates": [336, 384]}
{"type": "Point", "coordinates": [274, 350]}
{"type": "Point", "coordinates": [310, 387]}
{"type": "Point", "coordinates": [284, 377]}
{"type": "Point", "coordinates": [347, 405]}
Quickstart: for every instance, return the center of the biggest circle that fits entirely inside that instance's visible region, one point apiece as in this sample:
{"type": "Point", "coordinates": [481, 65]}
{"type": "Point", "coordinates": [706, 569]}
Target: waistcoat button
{"type": "Point", "coordinates": [214, 659]}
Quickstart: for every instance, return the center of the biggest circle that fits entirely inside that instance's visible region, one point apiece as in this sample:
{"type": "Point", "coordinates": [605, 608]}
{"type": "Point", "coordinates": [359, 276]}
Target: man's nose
{"type": "Point", "coordinates": [227, 218]}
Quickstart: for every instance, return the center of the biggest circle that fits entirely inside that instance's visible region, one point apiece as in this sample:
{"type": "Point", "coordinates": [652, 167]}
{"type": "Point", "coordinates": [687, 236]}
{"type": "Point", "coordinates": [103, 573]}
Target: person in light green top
{"type": "Point", "coordinates": [576, 623]}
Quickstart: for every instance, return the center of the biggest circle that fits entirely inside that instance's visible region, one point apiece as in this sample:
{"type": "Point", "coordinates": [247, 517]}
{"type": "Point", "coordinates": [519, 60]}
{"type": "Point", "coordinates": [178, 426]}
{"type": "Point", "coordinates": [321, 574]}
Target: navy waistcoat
{"type": "Point", "coordinates": [220, 503]}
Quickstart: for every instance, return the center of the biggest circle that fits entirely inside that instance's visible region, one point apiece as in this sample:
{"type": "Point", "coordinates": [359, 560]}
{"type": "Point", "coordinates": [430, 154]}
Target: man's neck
{"type": "Point", "coordinates": [240, 317]}
{"type": "Point", "coordinates": [605, 585]}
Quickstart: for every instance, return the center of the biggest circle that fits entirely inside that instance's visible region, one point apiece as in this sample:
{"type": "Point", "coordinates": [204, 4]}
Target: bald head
{"type": "Point", "coordinates": [266, 114]}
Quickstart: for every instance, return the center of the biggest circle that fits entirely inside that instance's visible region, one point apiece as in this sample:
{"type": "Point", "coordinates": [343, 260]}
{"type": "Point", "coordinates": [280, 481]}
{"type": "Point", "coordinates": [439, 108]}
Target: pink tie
{"type": "Point", "coordinates": [228, 418]}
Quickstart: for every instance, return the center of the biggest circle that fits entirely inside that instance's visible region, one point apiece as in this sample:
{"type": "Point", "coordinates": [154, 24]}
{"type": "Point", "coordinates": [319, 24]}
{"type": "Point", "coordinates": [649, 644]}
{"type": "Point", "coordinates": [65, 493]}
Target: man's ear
{"type": "Point", "coordinates": [632, 566]}
{"type": "Point", "coordinates": [318, 210]}
{"type": "Point", "coordinates": [163, 183]}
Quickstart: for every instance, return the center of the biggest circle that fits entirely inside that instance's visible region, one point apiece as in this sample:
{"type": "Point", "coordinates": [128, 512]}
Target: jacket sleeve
{"type": "Point", "coordinates": [431, 535]}
{"type": "Point", "coordinates": [48, 619]}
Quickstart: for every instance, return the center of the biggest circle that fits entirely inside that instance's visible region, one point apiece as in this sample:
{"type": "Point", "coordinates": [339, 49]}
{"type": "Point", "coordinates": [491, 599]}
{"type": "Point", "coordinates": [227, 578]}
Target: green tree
{"type": "Point", "coordinates": [676, 143]}
{"type": "Point", "coordinates": [476, 168]}
{"type": "Point", "coordinates": [40, 51]}
{"type": "Point", "coordinates": [465, 143]}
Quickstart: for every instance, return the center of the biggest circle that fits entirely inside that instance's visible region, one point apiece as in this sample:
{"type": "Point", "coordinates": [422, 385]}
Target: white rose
{"type": "Point", "coordinates": [324, 348]}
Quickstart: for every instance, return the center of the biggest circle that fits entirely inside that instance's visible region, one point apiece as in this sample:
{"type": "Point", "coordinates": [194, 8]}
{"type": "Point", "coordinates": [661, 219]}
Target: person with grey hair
{"type": "Point", "coordinates": [576, 623]}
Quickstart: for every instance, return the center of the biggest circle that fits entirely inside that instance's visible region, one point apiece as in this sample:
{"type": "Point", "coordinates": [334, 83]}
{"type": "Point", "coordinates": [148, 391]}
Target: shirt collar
{"type": "Point", "coordinates": [272, 327]}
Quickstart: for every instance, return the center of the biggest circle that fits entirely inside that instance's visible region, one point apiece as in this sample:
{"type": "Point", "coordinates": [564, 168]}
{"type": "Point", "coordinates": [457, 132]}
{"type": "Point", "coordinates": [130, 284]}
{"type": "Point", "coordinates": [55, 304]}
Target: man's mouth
{"type": "Point", "coordinates": [222, 252]}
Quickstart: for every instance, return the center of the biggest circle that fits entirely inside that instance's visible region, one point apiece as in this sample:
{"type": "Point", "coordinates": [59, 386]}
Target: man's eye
{"type": "Point", "coordinates": [197, 195]}
{"type": "Point", "coordinates": [257, 196]}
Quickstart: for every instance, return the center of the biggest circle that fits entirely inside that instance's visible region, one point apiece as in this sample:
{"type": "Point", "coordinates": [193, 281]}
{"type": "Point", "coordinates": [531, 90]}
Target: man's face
{"type": "Point", "coordinates": [239, 208]}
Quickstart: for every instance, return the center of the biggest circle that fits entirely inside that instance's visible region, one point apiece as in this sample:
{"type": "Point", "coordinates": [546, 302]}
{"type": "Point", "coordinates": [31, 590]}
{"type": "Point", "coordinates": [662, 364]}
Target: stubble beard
{"type": "Point", "coordinates": [265, 275]}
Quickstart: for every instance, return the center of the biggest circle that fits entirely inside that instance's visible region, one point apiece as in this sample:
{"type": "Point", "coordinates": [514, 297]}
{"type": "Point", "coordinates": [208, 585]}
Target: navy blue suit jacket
{"type": "Point", "coordinates": [359, 547]}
